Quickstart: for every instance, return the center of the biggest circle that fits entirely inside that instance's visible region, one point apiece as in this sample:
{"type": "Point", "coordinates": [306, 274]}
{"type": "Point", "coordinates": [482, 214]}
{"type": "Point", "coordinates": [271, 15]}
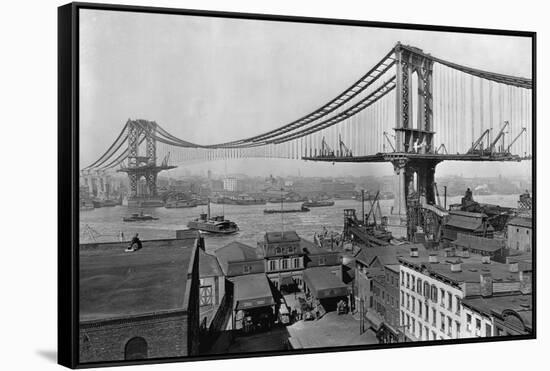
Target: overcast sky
{"type": "Point", "coordinates": [211, 80]}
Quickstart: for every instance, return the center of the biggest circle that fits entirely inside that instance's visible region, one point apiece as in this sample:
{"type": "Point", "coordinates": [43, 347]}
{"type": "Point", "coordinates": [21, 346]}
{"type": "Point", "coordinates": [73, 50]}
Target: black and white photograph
{"type": "Point", "coordinates": [251, 185]}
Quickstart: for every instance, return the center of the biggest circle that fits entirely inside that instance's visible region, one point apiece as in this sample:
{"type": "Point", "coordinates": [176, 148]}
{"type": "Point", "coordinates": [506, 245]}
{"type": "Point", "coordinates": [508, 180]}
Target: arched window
{"type": "Point", "coordinates": [136, 348]}
{"type": "Point", "coordinates": [426, 290]}
{"type": "Point", "coordinates": [419, 286]}
{"type": "Point", "coordinates": [434, 294]}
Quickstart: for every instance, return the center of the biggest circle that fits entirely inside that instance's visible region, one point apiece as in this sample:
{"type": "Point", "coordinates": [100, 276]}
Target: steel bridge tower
{"type": "Point", "coordinates": [415, 177]}
{"type": "Point", "coordinates": [145, 166]}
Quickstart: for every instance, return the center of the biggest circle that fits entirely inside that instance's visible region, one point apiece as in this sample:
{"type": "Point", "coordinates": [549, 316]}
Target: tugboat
{"type": "Point", "coordinates": [317, 203]}
{"type": "Point", "coordinates": [216, 224]}
{"type": "Point", "coordinates": [138, 217]}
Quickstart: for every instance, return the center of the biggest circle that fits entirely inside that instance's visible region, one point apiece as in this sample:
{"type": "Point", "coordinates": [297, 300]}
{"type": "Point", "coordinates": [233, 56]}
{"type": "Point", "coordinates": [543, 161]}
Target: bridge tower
{"type": "Point", "coordinates": [414, 176]}
{"type": "Point", "coordinates": [142, 166]}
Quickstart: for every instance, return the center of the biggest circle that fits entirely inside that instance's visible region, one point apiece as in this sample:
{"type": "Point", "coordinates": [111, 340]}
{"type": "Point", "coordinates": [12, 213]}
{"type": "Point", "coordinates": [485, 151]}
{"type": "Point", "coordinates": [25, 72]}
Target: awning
{"type": "Point", "coordinates": [324, 284]}
{"type": "Point", "coordinates": [374, 319]}
{"type": "Point", "coordinates": [252, 291]}
{"type": "Point", "coordinates": [287, 281]}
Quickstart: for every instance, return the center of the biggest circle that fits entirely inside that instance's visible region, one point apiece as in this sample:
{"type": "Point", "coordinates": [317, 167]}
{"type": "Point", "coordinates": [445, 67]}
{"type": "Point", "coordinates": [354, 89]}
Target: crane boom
{"type": "Point", "coordinates": [515, 139]}
{"type": "Point", "coordinates": [478, 141]}
{"type": "Point", "coordinates": [499, 135]}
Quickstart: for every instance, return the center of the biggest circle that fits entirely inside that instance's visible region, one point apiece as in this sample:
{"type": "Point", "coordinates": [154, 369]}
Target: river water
{"type": "Point", "coordinates": [105, 224]}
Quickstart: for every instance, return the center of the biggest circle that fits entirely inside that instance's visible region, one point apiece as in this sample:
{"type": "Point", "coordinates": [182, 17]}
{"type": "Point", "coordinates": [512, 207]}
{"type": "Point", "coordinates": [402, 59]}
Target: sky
{"type": "Point", "coordinates": [210, 80]}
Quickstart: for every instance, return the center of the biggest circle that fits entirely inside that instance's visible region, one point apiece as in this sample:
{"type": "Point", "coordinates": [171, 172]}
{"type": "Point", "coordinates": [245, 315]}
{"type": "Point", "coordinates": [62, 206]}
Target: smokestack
{"type": "Point", "coordinates": [456, 266]}
{"type": "Point", "coordinates": [513, 267]}
{"type": "Point", "coordinates": [525, 284]}
{"type": "Point", "coordinates": [433, 258]}
{"type": "Point", "coordinates": [486, 284]}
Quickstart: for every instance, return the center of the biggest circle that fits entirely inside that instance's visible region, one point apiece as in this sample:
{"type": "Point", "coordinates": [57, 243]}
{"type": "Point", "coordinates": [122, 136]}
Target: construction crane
{"type": "Point", "coordinates": [478, 142]}
{"type": "Point", "coordinates": [372, 211]}
{"type": "Point", "coordinates": [515, 139]}
{"type": "Point", "coordinates": [389, 141]}
{"type": "Point", "coordinates": [325, 149]}
{"type": "Point", "coordinates": [500, 134]}
{"type": "Point", "coordinates": [441, 146]}
{"type": "Point", "coordinates": [344, 150]}
{"type": "Point", "coordinates": [165, 160]}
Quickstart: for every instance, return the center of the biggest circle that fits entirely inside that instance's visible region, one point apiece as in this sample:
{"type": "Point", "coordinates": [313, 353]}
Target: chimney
{"type": "Point", "coordinates": [513, 267]}
{"type": "Point", "coordinates": [525, 282]}
{"type": "Point", "coordinates": [456, 266]}
{"type": "Point", "coordinates": [413, 252]}
{"type": "Point", "coordinates": [433, 258]}
{"type": "Point", "coordinates": [486, 259]}
{"type": "Point", "coordinates": [486, 284]}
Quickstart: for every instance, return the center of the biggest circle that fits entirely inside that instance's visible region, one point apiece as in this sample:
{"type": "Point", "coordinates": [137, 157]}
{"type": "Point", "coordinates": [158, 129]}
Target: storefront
{"type": "Point", "coordinates": [324, 286]}
{"type": "Point", "coordinates": [254, 305]}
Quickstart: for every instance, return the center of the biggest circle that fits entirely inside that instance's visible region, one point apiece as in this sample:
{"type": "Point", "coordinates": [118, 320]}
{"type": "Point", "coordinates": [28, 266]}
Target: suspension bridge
{"type": "Point", "coordinates": [410, 109]}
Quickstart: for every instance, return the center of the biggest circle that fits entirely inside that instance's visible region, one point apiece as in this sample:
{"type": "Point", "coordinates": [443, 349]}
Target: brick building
{"type": "Point", "coordinates": [139, 305]}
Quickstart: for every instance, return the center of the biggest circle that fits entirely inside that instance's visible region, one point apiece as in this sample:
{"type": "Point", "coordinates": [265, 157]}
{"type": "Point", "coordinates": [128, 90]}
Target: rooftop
{"type": "Point", "coordinates": [277, 237]}
{"type": "Point", "coordinates": [388, 254]}
{"type": "Point", "coordinates": [311, 248]}
{"type": "Point", "coordinates": [252, 291]}
{"type": "Point", "coordinates": [115, 283]}
{"type": "Point", "coordinates": [521, 222]}
{"type": "Point", "coordinates": [521, 304]}
{"type": "Point", "coordinates": [478, 243]}
{"type": "Point", "coordinates": [237, 252]}
{"type": "Point", "coordinates": [466, 220]}
{"type": "Point", "coordinates": [208, 265]}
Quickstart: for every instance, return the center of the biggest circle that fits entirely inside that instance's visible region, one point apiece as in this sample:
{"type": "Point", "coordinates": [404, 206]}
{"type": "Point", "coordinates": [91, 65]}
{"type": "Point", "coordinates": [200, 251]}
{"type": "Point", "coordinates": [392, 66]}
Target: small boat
{"type": "Point", "coordinates": [138, 217]}
{"type": "Point", "coordinates": [318, 203]}
{"type": "Point", "coordinates": [303, 209]}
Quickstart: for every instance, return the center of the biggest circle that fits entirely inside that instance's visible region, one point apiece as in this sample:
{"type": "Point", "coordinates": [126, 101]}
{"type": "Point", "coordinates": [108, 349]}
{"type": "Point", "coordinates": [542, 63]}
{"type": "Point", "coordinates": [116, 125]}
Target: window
{"type": "Point", "coordinates": [442, 297]}
{"type": "Point", "coordinates": [247, 269]}
{"type": "Point", "coordinates": [434, 294]}
{"type": "Point", "coordinates": [403, 278]}
{"type": "Point", "coordinates": [419, 286]}
{"type": "Point", "coordinates": [136, 348]}
{"type": "Point", "coordinates": [392, 302]}
{"type": "Point", "coordinates": [413, 302]}
{"type": "Point", "coordinates": [412, 283]}
{"type": "Point", "coordinates": [322, 260]}
{"type": "Point", "coordinates": [457, 325]}
{"type": "Point", "coordinates": [285, 263]}
{"type": "Point", "coordinates": [478, 324]}
{"type": "Point", "coordinates": [458, 304]}
{"type": "Point", "coordinates": [408, 301]}
{"type": "Point", "coordinates": [296, 262]}
{"type": "Point", "coordinates": [426, 312]}
{"type": "Point", "coordinates": [442, 324]}
{"type": "Point", "coordinates": [402, 299]}
{"type": "Point", "coordinates": [408, 280]}
{"type": "Point", "coordinates": [278, 250]}
{"type": "Point", "coordinates": [402, 318]}
{"type": "Point", "coordinates": [449, 326]}
{"type": "Point", "coordinates": [468, 322]}
{"type": "Point", "coordinates": [434, 317]}
{"type": "Point", "coordinates": [426, 290]}
{"type": "Point", "coordinates": [449, 302]}
{"type": "Point", "coordinates": [408, 323]}
{"type": "Point", "coordinates": [419, 308]}
{"type": "Point", "coordinates": [413, 328]}
{"type": "Point", "coordinates": [419, 331]}
{"type": "Point", "coordinates": [488, 330]}
{"type": "Point", "coordinates": [272, 265]}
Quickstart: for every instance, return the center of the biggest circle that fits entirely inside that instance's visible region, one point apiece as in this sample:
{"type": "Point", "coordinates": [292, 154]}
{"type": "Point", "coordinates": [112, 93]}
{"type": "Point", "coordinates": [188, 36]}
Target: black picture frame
{"type": "Point", "coordinates": [68, 170]}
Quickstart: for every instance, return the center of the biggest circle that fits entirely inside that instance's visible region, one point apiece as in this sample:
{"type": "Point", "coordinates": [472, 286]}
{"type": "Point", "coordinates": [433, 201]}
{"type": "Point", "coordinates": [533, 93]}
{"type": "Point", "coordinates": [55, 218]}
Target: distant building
{"type": "Point", "coordinates": [520, 234]}
{"type": "Point", "coordinates": [125, 314]}
{"type": "Point", "coordinates": [233, 184]}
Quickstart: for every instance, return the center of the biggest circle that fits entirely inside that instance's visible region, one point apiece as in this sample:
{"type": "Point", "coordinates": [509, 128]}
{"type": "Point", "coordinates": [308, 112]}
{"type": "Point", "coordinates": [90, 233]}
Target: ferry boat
{"type": "Point", "coordinates": [318, 203]}
{"type": "Point", "coordinates": [138, 217]}
{"type": "Point", "coordinates": [216, 224]}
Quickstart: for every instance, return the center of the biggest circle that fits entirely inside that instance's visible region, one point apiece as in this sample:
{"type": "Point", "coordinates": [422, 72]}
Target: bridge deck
{"type": "Point", "coordinates": [394, 156]}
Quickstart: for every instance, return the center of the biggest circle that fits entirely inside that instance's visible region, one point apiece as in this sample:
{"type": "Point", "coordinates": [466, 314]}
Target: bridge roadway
{"type": "Point", "coordinates": [432, 157]}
